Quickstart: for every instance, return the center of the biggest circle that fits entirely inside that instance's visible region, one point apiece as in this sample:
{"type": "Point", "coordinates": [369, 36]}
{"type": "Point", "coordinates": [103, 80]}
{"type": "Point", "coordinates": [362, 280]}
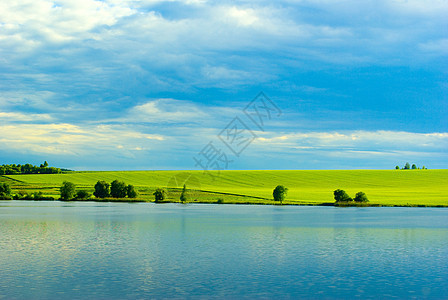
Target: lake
{"type": "Point", "coordinates": [88, 250]}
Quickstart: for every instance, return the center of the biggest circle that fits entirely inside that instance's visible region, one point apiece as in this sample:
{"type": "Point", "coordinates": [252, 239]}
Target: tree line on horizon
{"type": "Point", "coordinates": [14, 169]}
{"type": "Point", "coordinates": [408, 166]}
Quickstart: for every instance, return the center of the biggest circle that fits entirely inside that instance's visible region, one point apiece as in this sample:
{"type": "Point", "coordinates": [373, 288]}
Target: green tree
{"type": "Point", "coordinates": [118, 189]}
{"type": "Point", "coordinates": [82, 195]}
{"type": "Point", "coordinates": [101, 189]}
{"type": "Point", "coordinates": [131, 192]}
{"type": "Point", "coordinates": [159, 195]}
{"type": "Point", "coordinates": [5, 191]}
{"type": "Point", "coordinates": [341, 196]}
{"type": "Point", "coordinates": [397, 168]}
{"type": "Point", "coordinates": [414, 167]}
{"type": "Point", "coordinates": [279, 193]}
{"type": "Point", "coordinates": [183, 196]}
{"type": "Point", "coordinates": [361, 197]}
{"type": "Point", "coordinates": [407, 166]}
{"type": "Point", "coordinates": [68, 190]}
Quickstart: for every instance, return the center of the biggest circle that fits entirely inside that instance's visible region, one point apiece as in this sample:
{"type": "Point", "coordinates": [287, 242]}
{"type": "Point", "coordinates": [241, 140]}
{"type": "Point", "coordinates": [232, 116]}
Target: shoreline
{"type": "Point", "coordinates": [324, 204]}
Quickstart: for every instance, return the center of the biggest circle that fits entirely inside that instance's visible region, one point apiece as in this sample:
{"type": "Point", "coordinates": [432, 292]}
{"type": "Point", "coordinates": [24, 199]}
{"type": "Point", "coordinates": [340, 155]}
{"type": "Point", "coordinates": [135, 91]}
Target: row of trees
{"type": "Point", "coordinates": [408, 166]}
{"type": "Point", "coordinates": [342, 196]}
{"type": "Point", "coordinates": [117, 189]}
{"type": "Point", "coordinates": [28, 169]}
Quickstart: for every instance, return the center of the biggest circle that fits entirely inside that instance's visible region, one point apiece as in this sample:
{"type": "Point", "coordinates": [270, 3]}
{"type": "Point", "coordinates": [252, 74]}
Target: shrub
{"type": "Point", "coordinates": [82, 195]}
{"type": "Point", "coordinates": [183, 196]}
{"type": "Point", "coordinates": [131, 192]}
{"type": "Point", "coordinates": [279, 193]}
{"type": "Point", "coordinates": [341, 196]}
{"type": "Point", "coordinates": [159, 195]}
{"type": "Point", "coordinates": [101, 189]}
{"type": "Point", "coordinates": [68, 190]}
{"type": "Point", "coordinates": [37, 196]}
{"type": "Point", "coordinates": [118, 189]}
{"type": "Point", "coordinates": [361, 197]}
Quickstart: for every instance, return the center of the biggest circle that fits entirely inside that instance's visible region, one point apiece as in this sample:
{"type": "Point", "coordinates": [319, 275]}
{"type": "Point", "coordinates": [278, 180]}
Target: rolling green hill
{"type": "Point", "coordinates": [385, 187]}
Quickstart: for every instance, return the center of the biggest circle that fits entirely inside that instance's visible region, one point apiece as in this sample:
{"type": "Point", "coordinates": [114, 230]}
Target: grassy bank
{"type": "Point", "coordinates": [383, 187]}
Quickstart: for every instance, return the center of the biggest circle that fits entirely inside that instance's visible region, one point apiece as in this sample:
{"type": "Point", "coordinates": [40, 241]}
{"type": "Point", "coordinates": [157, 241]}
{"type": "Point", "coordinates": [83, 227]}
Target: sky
{"type": "Point", "coordinates": [184, 85]}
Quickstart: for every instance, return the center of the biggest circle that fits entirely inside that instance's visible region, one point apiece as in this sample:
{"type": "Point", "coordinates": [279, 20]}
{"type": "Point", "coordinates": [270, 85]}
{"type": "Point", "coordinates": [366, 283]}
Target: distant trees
{"type": "Point", "coordinates": [279, 193]}
{"type": "Point", "coordinates": [408, 166]}
{"type": "Point", "coordinates": [341, 196]}
{"type": "Point", "coordinates": [101, 189]}
{"type": "Point", "coordinates": [14, 169]}
{"type": "Point", "coordinates": [5, 191]}
{"type": "Point", "coordinates": [183, 196]}
{"type": "Point", "coordinates": [361, 197]}
{"type": "Point", "coordinates": [68, 190]}
{"type": "Point", "coordinates": [159, 195]}
{"type": "Point", "coordinates": [131, 192]}
{"type": "Point", "coordinates": [118, 189]}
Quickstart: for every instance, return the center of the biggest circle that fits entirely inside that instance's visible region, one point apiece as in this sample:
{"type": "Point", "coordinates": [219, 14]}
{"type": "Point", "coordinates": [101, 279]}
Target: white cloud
{"type": "Point", "coordinates": [364, 141]}
{"type": "Point", "coordinates": [243, 17]}
{"type": "Point", "coordinates": [69, 139]}
{"type": "Point", "coordinates": [59, 21]}
{"type": "Point", "coordinates": [167, 110]}
{"type": "Point", "coordinates": [15, 116]}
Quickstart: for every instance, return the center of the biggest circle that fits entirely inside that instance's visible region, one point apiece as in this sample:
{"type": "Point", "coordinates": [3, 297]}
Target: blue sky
{"type": "Point", "coordinates": [124, 85]}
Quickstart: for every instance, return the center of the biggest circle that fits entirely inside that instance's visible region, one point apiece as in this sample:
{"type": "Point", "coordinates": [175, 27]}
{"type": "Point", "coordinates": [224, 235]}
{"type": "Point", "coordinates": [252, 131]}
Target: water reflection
{"type": "Point", "coordinates": [90, 250]}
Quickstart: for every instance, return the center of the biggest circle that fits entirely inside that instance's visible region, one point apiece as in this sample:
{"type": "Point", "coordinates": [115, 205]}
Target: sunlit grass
{"type": "Point", "coordinates": [383, 187]}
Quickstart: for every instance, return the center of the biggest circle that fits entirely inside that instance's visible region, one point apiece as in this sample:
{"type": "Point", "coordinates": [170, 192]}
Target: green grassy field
{"type": "Point", "coordinates": [384, 187]}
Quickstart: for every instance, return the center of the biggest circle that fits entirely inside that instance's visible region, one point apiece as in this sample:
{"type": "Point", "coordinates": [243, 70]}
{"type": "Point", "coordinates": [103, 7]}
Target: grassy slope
{"type": "Point", "coordinates": [387, 187]}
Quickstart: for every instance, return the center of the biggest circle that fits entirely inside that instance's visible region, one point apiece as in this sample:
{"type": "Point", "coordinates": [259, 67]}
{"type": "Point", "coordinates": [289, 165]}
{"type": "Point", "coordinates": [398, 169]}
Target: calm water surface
{"type": "Point", "coordinates": [56, 250]}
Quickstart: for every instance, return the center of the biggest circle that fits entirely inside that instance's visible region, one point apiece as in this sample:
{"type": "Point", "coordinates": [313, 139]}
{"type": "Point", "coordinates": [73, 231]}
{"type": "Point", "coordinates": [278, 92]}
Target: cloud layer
{"type": "Point", "coordinates": [146, 83]}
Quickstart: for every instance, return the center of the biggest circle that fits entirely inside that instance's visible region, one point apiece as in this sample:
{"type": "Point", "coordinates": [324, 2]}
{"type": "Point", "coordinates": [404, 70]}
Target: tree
{"type": "Point", "coordinates": [407, 166]}
{"type": "Point", "coordinates": [183, 196]}
{"type": "Point", "coordinates": [5, 191]}
{"type": "Point", "coordinates": [397, 168]}
{"type": "Point", "coordinates": [82, 195]}
{"type": "Point", "coordinates": [361, 197]}
{"type": "Point", "coordinates": [118, 189]}
{"type": "Point", "coordinates": [68, 190]}
{"type": "Point", "coordinates": [341, 196]}
{"type": "Point", "coordinates": [131, 192]}
{"type": "Point", "coordinates": [279, 193]}
{"type": "Point", "coordinates": [159, 195]}
{"type": "Point", "coordinates": [101, 189]}
{"type": "Point", "coordinates": [414, 167]}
